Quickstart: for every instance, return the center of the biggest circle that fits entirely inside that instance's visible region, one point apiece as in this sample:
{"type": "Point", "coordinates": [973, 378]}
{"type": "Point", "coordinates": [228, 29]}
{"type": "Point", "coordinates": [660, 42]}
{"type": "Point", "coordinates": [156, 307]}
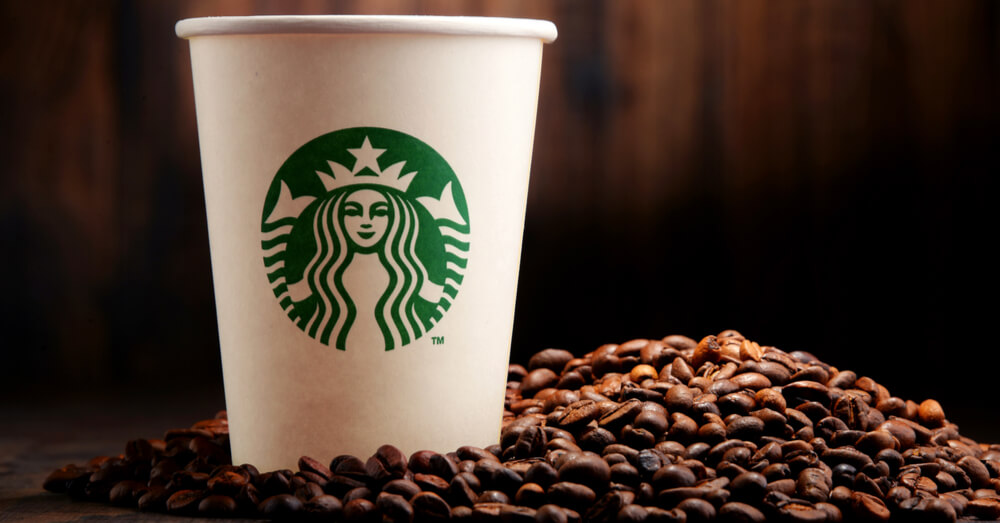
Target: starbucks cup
{"type": "Point", "coordinates": [365, 184]}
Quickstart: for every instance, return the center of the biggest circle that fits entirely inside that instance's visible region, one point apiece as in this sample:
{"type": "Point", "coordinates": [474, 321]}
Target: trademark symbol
{"type": "Point", "coordinates": [437, 340]}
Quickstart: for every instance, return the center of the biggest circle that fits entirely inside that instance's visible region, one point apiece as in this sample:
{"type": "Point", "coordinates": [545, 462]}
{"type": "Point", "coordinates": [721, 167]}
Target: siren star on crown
{"type": "Point", "coordinates": [366, 156]}
{"type": "Point", "coordinates": [441, 208]}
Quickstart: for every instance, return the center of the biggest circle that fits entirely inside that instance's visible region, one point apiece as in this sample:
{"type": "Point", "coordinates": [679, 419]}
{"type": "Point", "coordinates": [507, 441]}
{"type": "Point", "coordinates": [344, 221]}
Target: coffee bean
{"type": "Point", "coordinates": [227, 482]}
{"type": "Point", "coordinates": [386, 464]}
{"type": "Point", "coordinates": [707, 350]}
{"type": "Point", "coordinates": [587, 469]}
{"type": "Point", "coordinates": [537, 380]}
{"type": "Point", "coordinates": [643, 372]}
{"type": "Point", "coordinates": [736, 511]}
{"type": "Point", "coordinates": [654, 422]}
{"type": "Point", "coordinates": [550, 513]}
{"type": "Point", "coordinates": [154, 500]}
{"type": "Point", "coordinates": [394, 508]}
{"type": "Point", "coordinates": [551, 359]}
{"type": "Point", "coordinates": [308, 464]}
{"type": "Point", "coordinates": [607, 507]}
{"type": "Point", "coordinates": [868, 507]}
{"type": "Point", "coordinates": [280, 504]}
{"type": "Point", "coordinates": [672, 476]}
{"type": "Point", "coordinates": [800, 512]}
{"type": "Point", "coordinates": [325, 505]}
{"type": "Point", "coordinates": [931, 414]}
{"type": "Point", "coordinates": [308, 491]}
{"type": "Point", "coordinates": [360, 510]}
{"type": "Point", "coordinates": [127, 492]}
{"type": "Point", "coordinates": [748, 487]}
{"type": "Point", "coordinates": [516, 514]}
{"type": "Point", "coordinates": [428, 506]}
{"type": "Point", "coordinates": [217, 506]}
{"type": "Point", "coordinates": [812, 485]}
{"type": "Point", "coordinates": [852, 410]}
{"type": "Point", "coordinates": [697, 510]}
{"type": "Point", "coordinates": [747, 428]}
{"type": "Point", "coordinates": [621, 415]}
{"type": "Point", "coordinates": [571, 495]}
{"type": "Point", "coordinates": [977, 472]}
{"type": "Point", "coordinates": [184, 501]}
{"type": "Point", "coordinates": [60, 479]}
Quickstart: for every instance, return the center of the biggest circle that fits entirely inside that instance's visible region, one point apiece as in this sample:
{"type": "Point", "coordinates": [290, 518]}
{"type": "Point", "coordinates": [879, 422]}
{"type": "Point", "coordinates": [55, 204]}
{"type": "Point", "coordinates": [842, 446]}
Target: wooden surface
{"type": "Point", "coordinates": [40, 435]}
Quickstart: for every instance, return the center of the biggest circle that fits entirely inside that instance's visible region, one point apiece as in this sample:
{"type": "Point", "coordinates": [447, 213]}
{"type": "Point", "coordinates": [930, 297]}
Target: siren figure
{"type": "Point", "coordinates": [366, 220]}
{"type": "Point", "coordinates": [364, 280]}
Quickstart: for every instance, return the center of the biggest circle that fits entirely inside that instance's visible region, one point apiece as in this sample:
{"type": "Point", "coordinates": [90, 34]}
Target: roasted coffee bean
{"type": "Point", "coordinates": [325, 506]}
{"type": "Point", "coordinates": [227, 482]}
{"type": "Point", "coordinates": [308, 491]}
{"type": "Point", "coordinates": [308, 464]}
{"type": "Point", "coordinates": [707, 350]}
{"type": "Point", "coordinates": [394, 508]}
{"type": "Point", "coordinates": [571, 495]}
{"type": "Point", "coordinates": [607, 507]}
{"type": "Point", "coordinates": [748, 487]}
{"type": "Point", "coordinates": [474, 454]}
{"type": "Point", "coordinates": [697, 510]}
{"type": "Point", "coordinates": [537, 380]}
{"type": "Point", "coordinates": [217, 505]}
{"type": "Point", "coordinates": [654, 422]}
{"type": "Point", "coordinates": [428, 506]}
{"type": "Point", "coordinates": [798, 392]}
{"type": "Point", "coordinates": [931, 414]}
{"type": "Point", "coordinates": [60, 479]}
{"type": "Point", "coordinates": [867, 507]}
{"type": "Point", "coordinates": [154, 500]}
{"type": "Point", "coordinates": [530, 495]}
{"type": "Point", "coordinates": [552, 359]}
{"type": "Point", "coordinates": [587, 469]}
{"type": "Point", "coordinates": [184, 501]}
{"type": "Point", "coordinates": [673, 476]}
{"type": "Point", "coordinates": [812, 485]}
{"type": "Point", "coordinates": [621, 415]}
{"type": "Point", "coordinates": [386, 464]}
{"type": "Point", "coordinates": [852, 410]}
{"type": "Point", "coordinates": [493, 496]}
{"type": "Point", "coordinates": [127, 492]}
{"type": "Point", "coordinates": [748, 428]}
{"type": "Point", "coordinates": [459, 492]}
{"type": "Point", "coordinates": [579, 414]}
{"type": "Point", "coordinates": [801, 512]}
{"type": "Point", "coordinates": [550, 513]}
{"type": "Point", "coordinates": [679, 398]}
{"type": "Point", "coordinates": [360, 510]}
{"type": "Point", "coordinates": [741, 512]}
{"type": "Point", "coordinates": [984, 508]}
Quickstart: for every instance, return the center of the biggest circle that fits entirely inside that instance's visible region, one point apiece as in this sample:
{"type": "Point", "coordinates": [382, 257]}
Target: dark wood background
{"type": "Point", "coordinates": [816, 174]}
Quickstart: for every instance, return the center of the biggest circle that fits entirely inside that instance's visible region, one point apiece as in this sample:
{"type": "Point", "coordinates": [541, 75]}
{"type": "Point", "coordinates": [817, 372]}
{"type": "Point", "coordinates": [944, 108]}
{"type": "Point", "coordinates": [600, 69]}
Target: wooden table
{"type": "Point", "coordinates": [39, 435]}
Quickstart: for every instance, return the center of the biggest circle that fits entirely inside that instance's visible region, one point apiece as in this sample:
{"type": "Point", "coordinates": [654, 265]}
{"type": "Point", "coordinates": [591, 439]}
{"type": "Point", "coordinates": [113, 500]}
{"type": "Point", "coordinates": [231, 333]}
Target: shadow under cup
{"type": "Point", "coordinates": [365, 185]}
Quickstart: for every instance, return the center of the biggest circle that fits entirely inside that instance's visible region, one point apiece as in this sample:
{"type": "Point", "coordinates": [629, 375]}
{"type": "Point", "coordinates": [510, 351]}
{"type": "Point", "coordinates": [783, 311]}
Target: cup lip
{"type": "Point", "coordinates": [366, 24]}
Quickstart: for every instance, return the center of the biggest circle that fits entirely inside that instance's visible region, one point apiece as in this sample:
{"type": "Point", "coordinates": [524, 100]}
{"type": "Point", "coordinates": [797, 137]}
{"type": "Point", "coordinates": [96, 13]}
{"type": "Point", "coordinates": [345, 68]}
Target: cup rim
{"type": "Point", "coordinates": [366, 24]}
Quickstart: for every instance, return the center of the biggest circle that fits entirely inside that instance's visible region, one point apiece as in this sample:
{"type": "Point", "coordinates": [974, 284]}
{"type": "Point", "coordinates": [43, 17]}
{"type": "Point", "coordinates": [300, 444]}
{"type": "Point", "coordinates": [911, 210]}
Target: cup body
{"type": "Point", "coordinates": [365, 184]}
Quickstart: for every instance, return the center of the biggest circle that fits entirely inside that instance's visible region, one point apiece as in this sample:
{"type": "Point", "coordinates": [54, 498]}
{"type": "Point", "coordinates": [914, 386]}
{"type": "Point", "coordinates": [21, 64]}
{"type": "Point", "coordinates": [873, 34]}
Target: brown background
{"type": "Point", "coordinates": [816, 174]}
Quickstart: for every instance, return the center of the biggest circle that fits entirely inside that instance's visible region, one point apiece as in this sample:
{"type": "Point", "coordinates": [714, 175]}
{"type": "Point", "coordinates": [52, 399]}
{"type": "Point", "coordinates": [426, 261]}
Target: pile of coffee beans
{"type": "Point", "coordinates": [671, 430]}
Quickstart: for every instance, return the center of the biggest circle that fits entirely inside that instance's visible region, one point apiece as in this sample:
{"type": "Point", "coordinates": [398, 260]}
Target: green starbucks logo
{"type": "Point", "coordinates": [365, 237]}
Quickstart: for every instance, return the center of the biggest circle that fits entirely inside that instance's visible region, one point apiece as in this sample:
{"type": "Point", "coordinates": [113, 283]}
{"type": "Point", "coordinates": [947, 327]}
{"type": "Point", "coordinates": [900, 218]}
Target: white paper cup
{"type": "Point", "coordinates": [365, 184]}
